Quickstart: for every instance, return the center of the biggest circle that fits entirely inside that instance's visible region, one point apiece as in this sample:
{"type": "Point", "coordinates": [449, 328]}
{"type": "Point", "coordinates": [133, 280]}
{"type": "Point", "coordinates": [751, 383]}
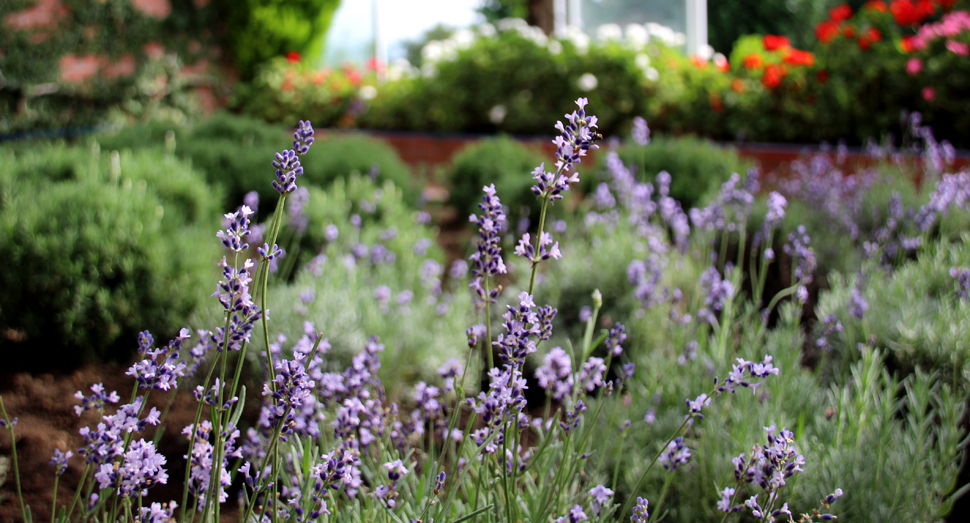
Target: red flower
{"type": "Point", "coordinates": [737, 85]}
{"type": "Point", "coordinates": [773, 75]}
{"type": "Point", "coordinates": [906, 44]}
{"type": "Point", "coordinates": [827, 31]}
{"type": "Point", "coordinates": [374, 64]}
{"type": "Point", "coordinates": [848, 31]}
{"type": "Point", "coordinates": [293, 57]}
{"type": "Point", "coordinates": [775, 42]}
{"type": "Point", "coordinates": [822, 76]}
{"type": "Point", "coordinates": [840, 13]}
{"type": "Point", "coordinates": [798, 57]}
{"type": "Point", "coordinates": [876, 5]}
{"type": "Point", "coordinates": [946, 4]}
{"type": "Point", "coordinates": [698, 62]}
{"type": "Point", "coordinates": [864, 43]}
{"type": "Point", "coordinates": [753, 61]}
{"type": "Point", "coordinates": [874, 35]}
{"type": "Point", "coordinates": [908, 12]}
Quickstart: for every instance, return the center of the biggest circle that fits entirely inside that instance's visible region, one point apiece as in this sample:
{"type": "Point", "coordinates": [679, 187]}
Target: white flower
{"type": "Point", "coordinates": [497, 114]}
{"type": "Point", "coordinates": [578, 38]}
{"type": "Point", "coordinates": [554, 47]}
{"type": "Point", "coordinates": [587, 82]}
{"type": "Point", "coordinates": [637, 36]}
{"type": "Point", "coordinates": [429, 71]}
{"type": "Point", "coordinates": [487, 30]}
{"type": "Point", "coordinates": [432, 51]}
{"type": "Point", "coordinates": [509, 24]}
{"type": "Point", "coordinates": [642, 61]}
{"type": "Point", "coordinates": [706, 52]}
{"type": "Point", "coordinates": [652, 74]}
{"type": "Point", "coordinates": [463, 38]}
{"type": "Point", "coordinates": [368, 92]}
{"type": "Point", "coordinates": [609, 33]}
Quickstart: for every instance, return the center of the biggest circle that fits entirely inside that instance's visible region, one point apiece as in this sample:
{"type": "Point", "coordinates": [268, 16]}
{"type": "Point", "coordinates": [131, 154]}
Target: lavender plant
{"type": "Point", "coordinates": [331, 443]}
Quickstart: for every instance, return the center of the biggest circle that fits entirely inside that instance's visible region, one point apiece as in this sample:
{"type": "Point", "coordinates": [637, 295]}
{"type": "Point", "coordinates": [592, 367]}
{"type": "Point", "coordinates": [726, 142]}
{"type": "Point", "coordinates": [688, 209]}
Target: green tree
{"type": "Point", "coordinates": [258, 30]}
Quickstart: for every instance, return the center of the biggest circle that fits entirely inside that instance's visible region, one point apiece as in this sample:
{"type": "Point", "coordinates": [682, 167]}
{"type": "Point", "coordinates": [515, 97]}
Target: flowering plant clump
{"type": "Point", "coordinates": [561, 441]}
{"type": "Point", "coordinates": [285, 90]}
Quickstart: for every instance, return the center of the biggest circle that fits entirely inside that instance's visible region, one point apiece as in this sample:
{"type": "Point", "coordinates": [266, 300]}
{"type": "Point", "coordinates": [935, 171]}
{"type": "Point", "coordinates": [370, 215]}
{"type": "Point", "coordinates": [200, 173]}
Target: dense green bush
{"type": "Point", "coordinates": [236, 153]}
{"type": "Point", "coordinates": [85, 263]}
{"type": "Point", "coordinates": [697, 166]}
{"type": "Point", "coordinates": [511, 78]}
{"type": "Point", "coordinates": [503, 161]}
{"type": "Point", "coordinates": [337, 156]}
{"type": "Point", "coordinates": [258, 30]}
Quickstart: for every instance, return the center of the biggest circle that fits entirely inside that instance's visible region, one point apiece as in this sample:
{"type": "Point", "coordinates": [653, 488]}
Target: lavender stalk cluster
{"type": "Point", "coordinates": [768, 467]}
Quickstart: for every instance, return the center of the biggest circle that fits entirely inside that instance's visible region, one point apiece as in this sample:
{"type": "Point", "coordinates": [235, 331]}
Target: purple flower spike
{"type": "Point", "coordinates": [550, 185]}
{"type": "Point", "coordinates": [487, 260]}
{"type": "Point", "coordinates": [555, 374]}
{"type": "Point", "coordinates": [640, 514]}
{"type": "Point", "coordinates": [237, 228]}
{"type": "Point", "coordinates": [601, 496]}
{"type": "Point", "coordinates": [676, 454]}
{"type": "Point", "coordinates": [303, 137]}
{"type": "Point", "coordinates": [526, 250]}
{"type": "Point", "coordinates": [288, 168]}
{"type": "Point", "coordinates": [59, 461]}
{"type": "Point", "coordinates": [575, 138]}
{"type": "Point", "coordinates": [640, 132]}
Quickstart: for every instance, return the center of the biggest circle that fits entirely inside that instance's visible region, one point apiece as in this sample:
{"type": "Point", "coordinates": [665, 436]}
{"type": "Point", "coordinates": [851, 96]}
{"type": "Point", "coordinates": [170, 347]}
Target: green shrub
{"type": "Point", "coordinates": [334, 157]}
{"type": "Point", "coordinates": [516, 80]}
{"type": "Point", "coordinates": [697, 167]}
{"type": "Point", "coordinates": [258, 30]}
{"type": "Point", "coordinates": [183, 191]}
{"type": "Point", "coordinates": [236, 153]}
{"type": "Point", "coordinates": [503, 161]}
{"type": "Point", "coordinates": [89, 265]}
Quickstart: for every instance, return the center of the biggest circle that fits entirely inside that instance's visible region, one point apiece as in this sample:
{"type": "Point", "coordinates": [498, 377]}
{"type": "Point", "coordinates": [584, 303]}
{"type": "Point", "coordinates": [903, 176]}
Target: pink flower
{"type": "Point", "coordinates": [958, 48]}
{"type": "Point", "coordinates": [929, 94]}
{"type": "Point", "coordinates": [914, 66]}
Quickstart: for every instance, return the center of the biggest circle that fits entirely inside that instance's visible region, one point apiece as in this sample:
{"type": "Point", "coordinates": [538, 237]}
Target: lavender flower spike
{"type": "Point", "coordinates": [303, 137]}
{"type": "Point", "coordinates": [576, 137]}
{"type": "Point", "coordinates": [487, 260]}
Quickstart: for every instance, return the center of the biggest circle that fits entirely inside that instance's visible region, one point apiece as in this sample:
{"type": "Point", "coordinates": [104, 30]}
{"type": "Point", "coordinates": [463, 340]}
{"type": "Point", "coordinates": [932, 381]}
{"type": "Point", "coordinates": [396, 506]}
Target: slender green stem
{"type": "Point", "coordinates": [77, 492]}
{"type": "Point", "coordinates": [663, 495]}
{"type": "Point", "coordinates": [13, 455]}
{"type": "Point", "coordinates": [57, 478]}
{"type": "Point", "coordinates": [535, 265]}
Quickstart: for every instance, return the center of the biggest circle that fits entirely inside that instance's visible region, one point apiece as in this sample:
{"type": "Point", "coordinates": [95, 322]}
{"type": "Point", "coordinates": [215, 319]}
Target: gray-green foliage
{"type": "Point", "coordinates": [914, 313]}
{"type": "Point", "coordinates": [335, 290]}
{"type": "Point", "coordinates": [88, 250]}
